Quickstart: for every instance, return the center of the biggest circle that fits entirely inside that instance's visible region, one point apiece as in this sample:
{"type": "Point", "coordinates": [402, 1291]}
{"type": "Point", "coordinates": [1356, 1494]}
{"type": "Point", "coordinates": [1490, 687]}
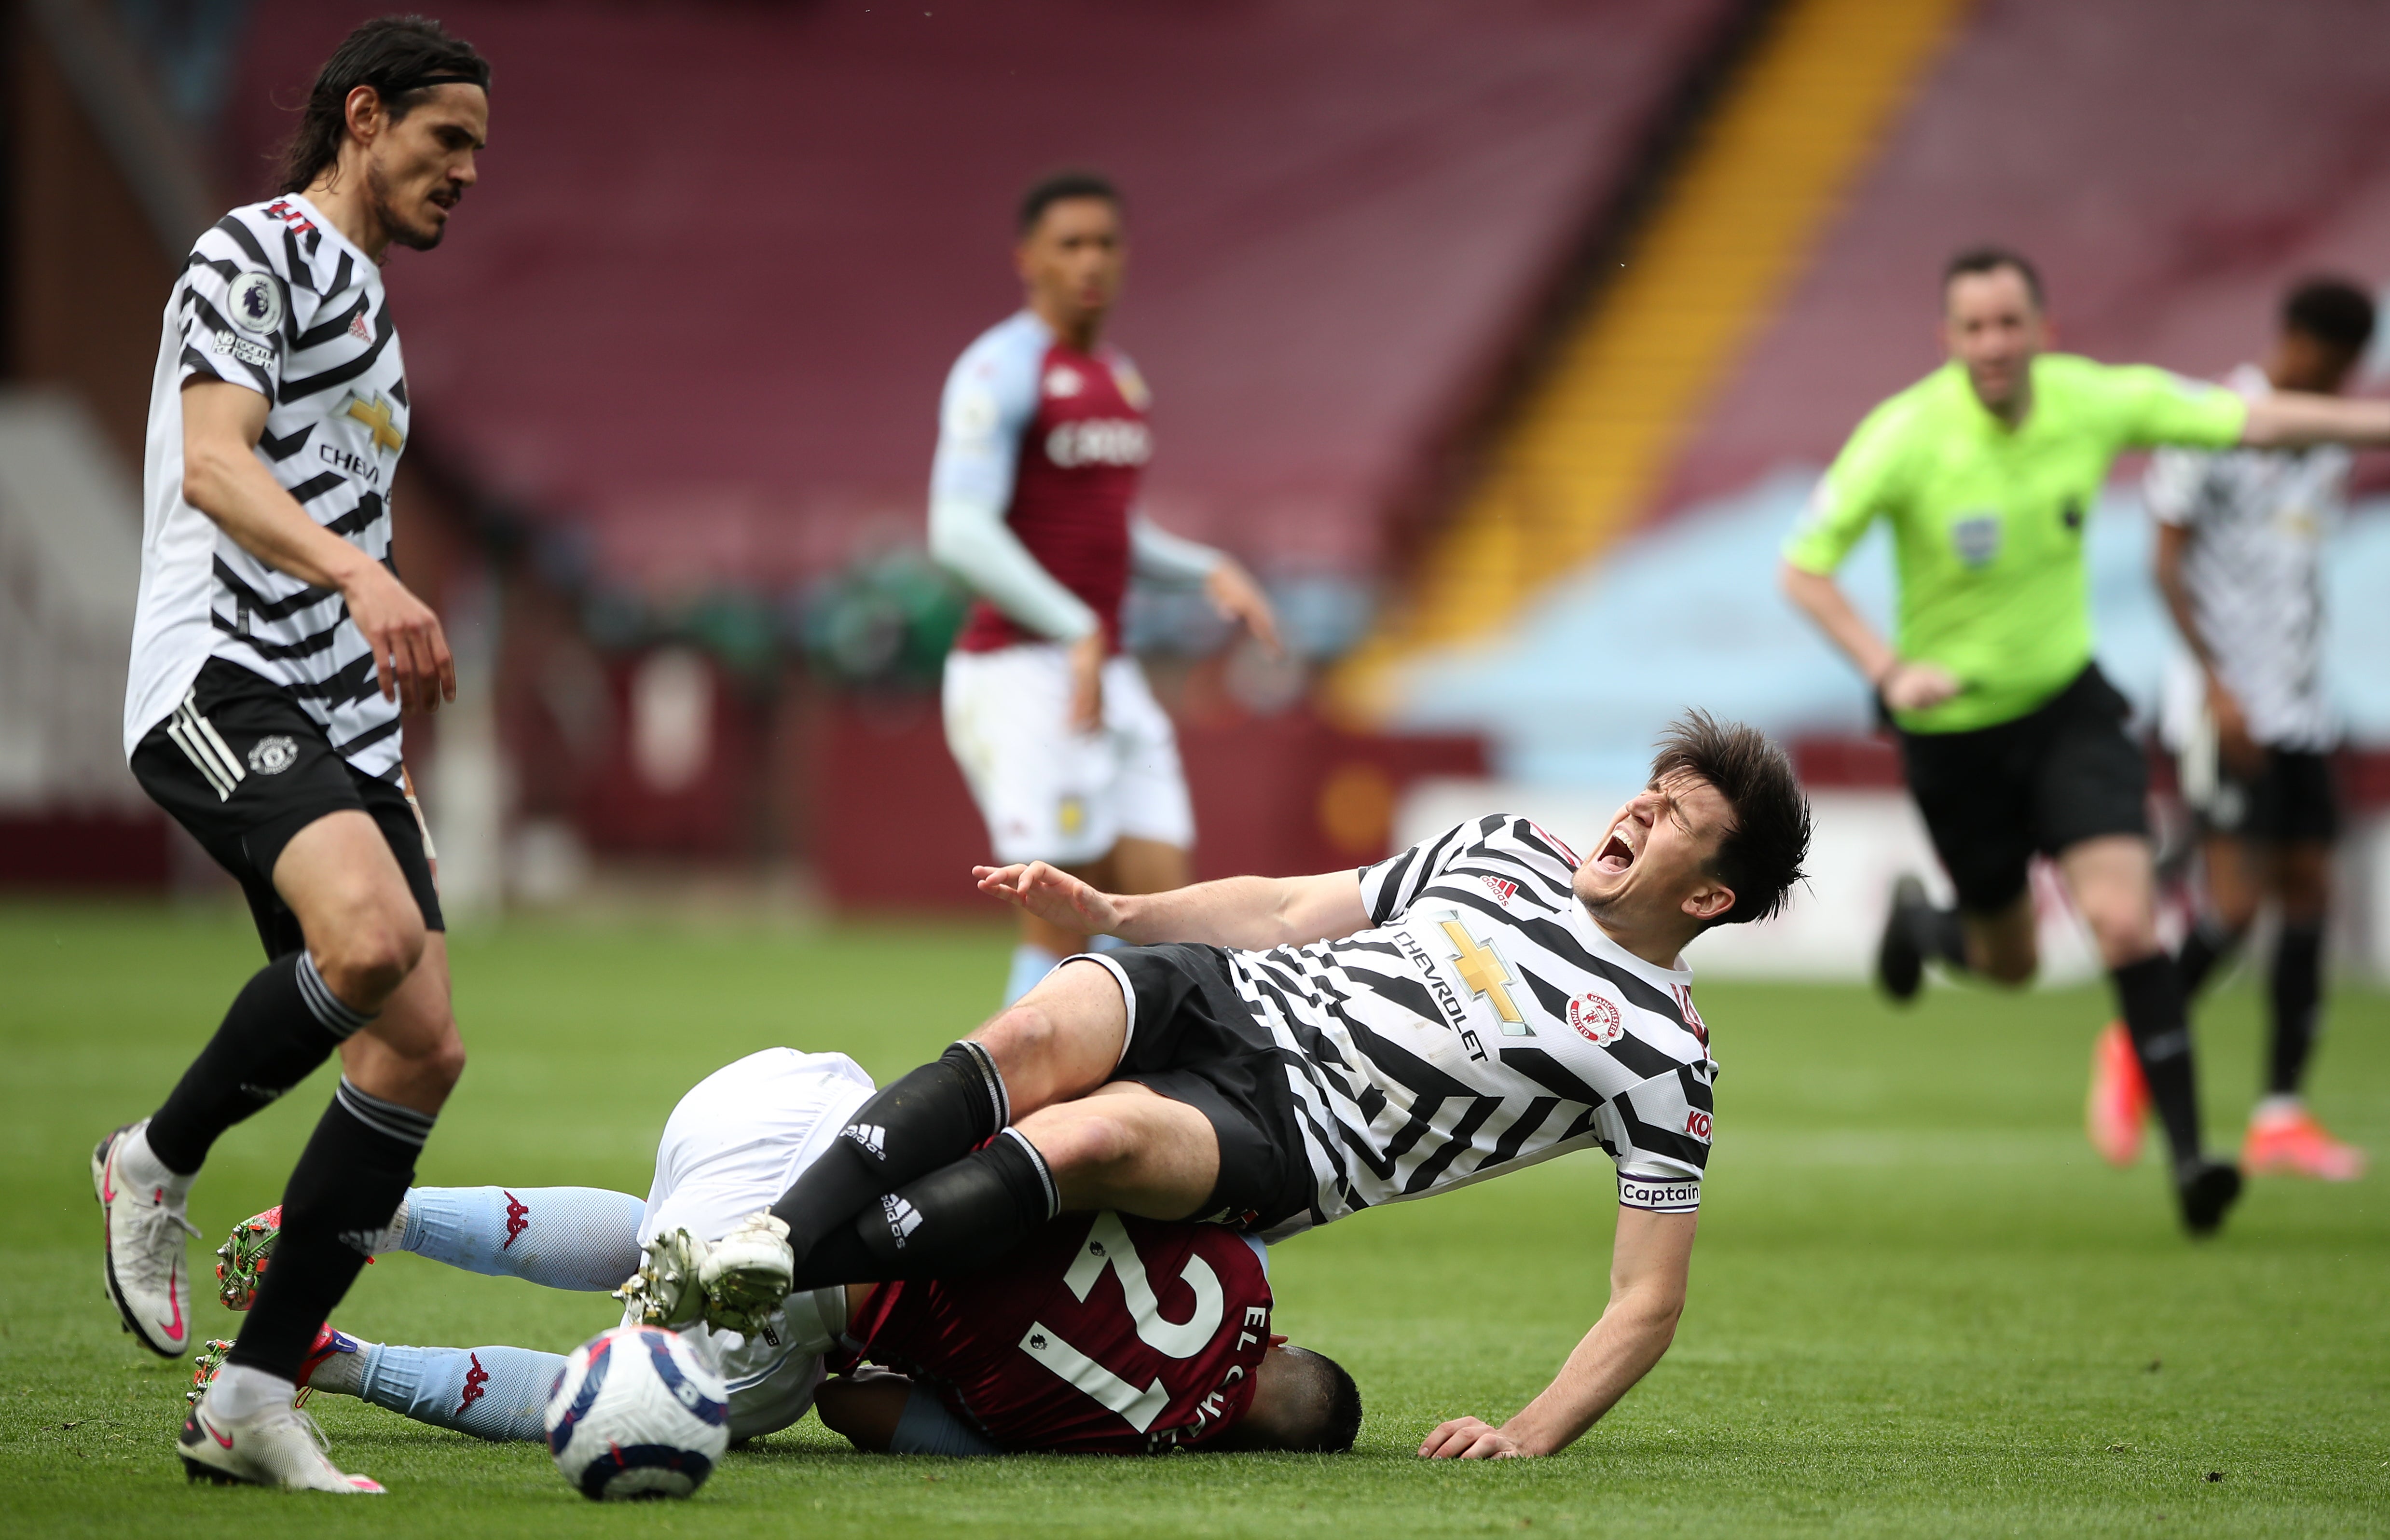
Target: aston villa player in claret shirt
{"type": "Point", "coordinates": [1102, 1335]}
{"type": "Point", "coordinates": [1043, 440]}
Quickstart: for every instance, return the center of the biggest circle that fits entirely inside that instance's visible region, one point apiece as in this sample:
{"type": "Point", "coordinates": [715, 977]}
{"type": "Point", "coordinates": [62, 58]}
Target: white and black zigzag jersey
{"type": "Point", "coordinates": [2256, 520]}
{"type": "Point", "coordinates": [1485, 1024]}
{"type": "Point", "coordinates": [273, 298]}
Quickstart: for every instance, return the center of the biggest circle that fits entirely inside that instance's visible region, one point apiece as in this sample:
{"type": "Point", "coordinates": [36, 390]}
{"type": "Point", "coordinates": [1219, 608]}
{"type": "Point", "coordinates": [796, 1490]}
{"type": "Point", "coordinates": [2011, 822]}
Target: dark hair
{"type": "Point", "coordinates": [401, 57]}
{"type": "Point", "coordinates": [1760, 857]}
{"type": "Point", "coordinates": [2333, 310]}
{"type": "Point", "coordinates": [1977, 260]}
{"type": "Point", "coordinates": [1317, 1409]}
{"type": "Point", "coordinates": [1056, 187]}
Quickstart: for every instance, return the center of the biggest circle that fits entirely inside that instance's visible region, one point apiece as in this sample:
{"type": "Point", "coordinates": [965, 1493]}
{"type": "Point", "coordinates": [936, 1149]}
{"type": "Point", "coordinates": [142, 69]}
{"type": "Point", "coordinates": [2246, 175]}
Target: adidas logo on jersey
{"type": "Point", "coordinates": [903, 1217]}
{"type": "Point", "coordinates": [870, 1135]}
{"type": "Point", "coordinates": [1100, 441]}
{"type": "Point", "coordinates": [358, 329]}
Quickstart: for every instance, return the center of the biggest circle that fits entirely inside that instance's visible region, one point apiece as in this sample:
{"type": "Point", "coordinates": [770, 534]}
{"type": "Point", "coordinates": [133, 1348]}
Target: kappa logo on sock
{"type": "Point", "coordinates": [903, 1218]}
{"type": "Point", "coordinates": [361, 1241]}
{"type": "Point", "coordinates": [870, 1135]}
{"type": "Point", "coordinates": [518, 1219]}
{"type": "Point", "coordinates": [261, 1094]}
{"type": "Point", "coordinates": [475, 1378]}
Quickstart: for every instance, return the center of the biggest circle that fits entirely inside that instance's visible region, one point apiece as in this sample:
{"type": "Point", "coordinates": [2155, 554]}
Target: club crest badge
{"type": "Point", "coordinates": [256, 302]}
{"type": "Point", "coordinates": [273, 754]}
{"type": "Point", "coordinates": [1596, 1019]}
{"type": "Point", "coordinates": [1062, 384]}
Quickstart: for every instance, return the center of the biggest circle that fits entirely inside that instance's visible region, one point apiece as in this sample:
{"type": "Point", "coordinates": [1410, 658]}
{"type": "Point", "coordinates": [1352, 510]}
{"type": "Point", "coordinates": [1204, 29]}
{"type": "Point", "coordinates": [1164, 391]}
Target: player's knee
{"type": "Point", "coordinates": [2125, 932]}
{"type": "Point", "coordinates": [439, 1068]}
{"type": "Point", "coordinates": [367, 959]}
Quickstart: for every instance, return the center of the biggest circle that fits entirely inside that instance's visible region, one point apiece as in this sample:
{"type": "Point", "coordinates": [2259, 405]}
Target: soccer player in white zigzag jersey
{"type": "Point", "coordinates": [274, 652]}
{"type": "Point", "coordinates": [1273, 1054]}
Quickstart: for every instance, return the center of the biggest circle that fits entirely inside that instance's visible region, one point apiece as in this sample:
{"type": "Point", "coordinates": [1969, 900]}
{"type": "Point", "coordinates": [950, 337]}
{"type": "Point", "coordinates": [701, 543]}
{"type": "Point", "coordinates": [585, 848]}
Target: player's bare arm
{"type": "Point", "coordinates": [1649, 1261]}
{"type": "Point", "coordinates": [1249, 913]}
{"type": "Point", "coordinates": [223, 478]}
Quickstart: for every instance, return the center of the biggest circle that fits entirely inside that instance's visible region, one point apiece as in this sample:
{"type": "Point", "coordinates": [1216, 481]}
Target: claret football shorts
{"type": "Point", "coordinates": [1049, 793]}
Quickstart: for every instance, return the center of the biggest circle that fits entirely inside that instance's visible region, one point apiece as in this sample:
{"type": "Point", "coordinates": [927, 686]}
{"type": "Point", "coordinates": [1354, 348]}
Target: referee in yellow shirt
{"type": "Point", "coordinates": [2011, 740]}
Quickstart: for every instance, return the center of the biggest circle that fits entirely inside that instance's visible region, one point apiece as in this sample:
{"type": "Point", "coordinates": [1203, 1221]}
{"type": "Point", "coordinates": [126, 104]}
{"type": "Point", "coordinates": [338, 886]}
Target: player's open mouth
{"type": "Point", "coordinates": [1615, 855]}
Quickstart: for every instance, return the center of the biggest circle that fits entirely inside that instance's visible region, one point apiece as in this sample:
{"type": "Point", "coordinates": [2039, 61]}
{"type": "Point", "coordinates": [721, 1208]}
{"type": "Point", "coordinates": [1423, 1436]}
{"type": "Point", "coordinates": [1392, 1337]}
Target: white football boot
{"type": "Point", "coordinates": [143, 1269]}
{"type": "Point", "coordinates": [276, 1445]}
{"type": "Point", "coordinates": [745, 1275]}
{"type": "Point", "coordinates": [666, 1292]}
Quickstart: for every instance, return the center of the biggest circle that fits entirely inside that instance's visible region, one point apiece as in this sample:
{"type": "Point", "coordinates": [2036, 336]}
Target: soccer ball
{"type": "Point", "coordinates": [635, 1412]}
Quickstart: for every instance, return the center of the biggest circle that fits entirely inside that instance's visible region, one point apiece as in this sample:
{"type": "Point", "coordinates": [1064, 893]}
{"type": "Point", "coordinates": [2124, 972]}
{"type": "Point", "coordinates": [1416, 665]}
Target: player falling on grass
{"type": "Point", "coordinates": [1042, 441]}
{"type": "Point", "coordinates": [1101, 1335]}
{"type": "Point", "coordinates": [2012, 739]}
{"type": "Point", "coordinates": [273, 651]}
{"type": "Point", "coordinates": [1276, 1053]}
{"type": "Point", "coordinates": [2241, 536]}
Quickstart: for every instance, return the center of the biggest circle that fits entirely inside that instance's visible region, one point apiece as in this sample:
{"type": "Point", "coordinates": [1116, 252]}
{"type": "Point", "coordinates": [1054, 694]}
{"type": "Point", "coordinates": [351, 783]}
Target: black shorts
{"type": "Point", "coordinates": [2061, 774]}
{"type": "Point", "coordinates": [2290, 800]}
{"type": "Point", "coordinates": [1193, 1039]}
{"type": "Point", "coordinates": [289, 776]}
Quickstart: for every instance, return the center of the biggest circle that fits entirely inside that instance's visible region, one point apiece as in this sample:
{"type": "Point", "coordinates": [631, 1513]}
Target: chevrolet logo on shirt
{"type": "Point", "coordinates": [376, 414]}
{"type": "Point", "coordinates": [1483, 970]}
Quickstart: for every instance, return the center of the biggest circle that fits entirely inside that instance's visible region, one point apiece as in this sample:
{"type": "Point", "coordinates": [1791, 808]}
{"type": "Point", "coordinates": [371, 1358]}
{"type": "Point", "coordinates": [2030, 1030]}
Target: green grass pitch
{"type": "Point", "coordinates": [1919, 1305]}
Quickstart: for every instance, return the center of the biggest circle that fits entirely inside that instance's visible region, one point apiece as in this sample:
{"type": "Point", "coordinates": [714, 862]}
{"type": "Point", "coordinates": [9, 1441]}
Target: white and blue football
{"type": "Point", "coordinates": [635, 1412]}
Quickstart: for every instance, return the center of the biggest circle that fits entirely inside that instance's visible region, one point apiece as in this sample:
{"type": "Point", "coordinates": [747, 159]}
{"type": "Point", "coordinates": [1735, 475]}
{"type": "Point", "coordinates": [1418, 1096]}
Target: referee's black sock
{"type": "Point", "coordinates": [2210, 942]}
{"type": "Point", "coordinates": [1941, 936]}
{"type": "Point", "coordinates": [927, 1119]}
{"type": "Point", "coordinates": [2150, 994]}
{"type": "Point", "coordinates": [347, 1183]}
{"type": "Point", "coordinates": [951, 1221]}
{"type": "Point", "coordinates": [2296, 985]}
{"type": "Point", "coordinates": [284, 1022]}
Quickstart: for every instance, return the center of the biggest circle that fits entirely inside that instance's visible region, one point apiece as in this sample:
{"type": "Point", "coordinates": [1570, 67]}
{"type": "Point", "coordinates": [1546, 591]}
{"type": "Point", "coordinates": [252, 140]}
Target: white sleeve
{"type": "Point", "coordinates": [2176, 485]}
{"type": "Point", "coordinates": [969, 538]}
{"type": "Point", "coordinates": [1158, 556]}
{"type": "Point", "coordinates": [989, 400]}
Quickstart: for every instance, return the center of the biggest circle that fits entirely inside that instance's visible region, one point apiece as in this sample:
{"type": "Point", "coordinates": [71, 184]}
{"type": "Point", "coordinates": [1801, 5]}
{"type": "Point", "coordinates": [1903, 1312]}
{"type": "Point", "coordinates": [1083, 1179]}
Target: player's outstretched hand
{"type": "Point", "coordinates": [1238, 598]}
{"type": "Point", "coordinates": [411, 658]}
{"type": "Point", "coordinates": [1053, 895]}
{"type": "Point", "coordinates": [1469, 1438]}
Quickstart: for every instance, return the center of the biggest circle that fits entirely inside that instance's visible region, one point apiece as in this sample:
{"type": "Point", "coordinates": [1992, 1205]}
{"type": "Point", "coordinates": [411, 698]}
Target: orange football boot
{"type": "Point", "coordinates": [2119, 1103]}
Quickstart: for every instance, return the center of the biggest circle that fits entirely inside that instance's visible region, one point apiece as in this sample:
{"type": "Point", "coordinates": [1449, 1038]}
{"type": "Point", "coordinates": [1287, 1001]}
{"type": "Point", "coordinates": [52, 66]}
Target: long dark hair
{"type": "Point", "coordinates": [401, 56]}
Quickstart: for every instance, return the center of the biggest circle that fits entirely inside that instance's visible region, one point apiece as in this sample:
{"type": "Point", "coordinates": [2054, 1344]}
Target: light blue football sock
{"type": "Point", "coordinates": [499, 1393]}
{"type": "Point", "coordinates": [563, 1238]}
{"type": "Point", "coordinates": [1029, 965]}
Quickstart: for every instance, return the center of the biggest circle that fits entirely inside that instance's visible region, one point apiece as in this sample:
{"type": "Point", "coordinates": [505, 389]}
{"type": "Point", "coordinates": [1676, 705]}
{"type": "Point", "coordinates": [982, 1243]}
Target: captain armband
{"type": "Point", "coordinates": [1660, 1194]}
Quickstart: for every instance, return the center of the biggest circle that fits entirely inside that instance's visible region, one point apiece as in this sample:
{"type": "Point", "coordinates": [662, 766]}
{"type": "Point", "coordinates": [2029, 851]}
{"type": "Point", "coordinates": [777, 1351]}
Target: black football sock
{"type": "Point", "coordinates": [2210, 942]}
{"type": "Point", "coordinates": [2298, 989]}
{"type": "Point", "coordinates": [2149, 995]}
{"type": "Point", "coordinates": [951, 1221]}
{"type": "Point", "coordinates": [347, 1183]}
{"type": "Point", "coordinates": [284, 1022]}
{"type": "Point", "coordinates": [930, 1118]}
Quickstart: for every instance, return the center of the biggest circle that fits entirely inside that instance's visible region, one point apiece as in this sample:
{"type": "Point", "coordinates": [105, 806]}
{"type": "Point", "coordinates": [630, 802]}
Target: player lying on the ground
{"type": "Point", "coordinates": [1102, 1335]}
{"type": "Point", "coordinates": [1277, 1053]}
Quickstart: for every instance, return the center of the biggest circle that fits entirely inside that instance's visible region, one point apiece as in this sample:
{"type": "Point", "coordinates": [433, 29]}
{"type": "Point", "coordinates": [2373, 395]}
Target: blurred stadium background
{"type": "Point", "coordinates": [1503, 339]}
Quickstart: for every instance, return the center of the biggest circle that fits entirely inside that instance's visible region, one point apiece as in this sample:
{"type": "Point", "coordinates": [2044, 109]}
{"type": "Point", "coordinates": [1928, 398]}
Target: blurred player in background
{"type": "Point", "coordinates": [2012, 739]}
{"type": "Point", "coordinates": [273, 651]}
{"type": "Point", "coordinates": [2241, 535]}
{"type": "Point", "coordinates": [1033, 498]}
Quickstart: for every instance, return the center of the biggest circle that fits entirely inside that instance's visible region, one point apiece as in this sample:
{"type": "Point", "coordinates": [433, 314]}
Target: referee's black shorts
{"type": "Point", "coordinates": [1192, 1038]}
{"type": "Point", "coordinates": [2063, 773]}
{"type": "Point", "coordinates": [244, 769]}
